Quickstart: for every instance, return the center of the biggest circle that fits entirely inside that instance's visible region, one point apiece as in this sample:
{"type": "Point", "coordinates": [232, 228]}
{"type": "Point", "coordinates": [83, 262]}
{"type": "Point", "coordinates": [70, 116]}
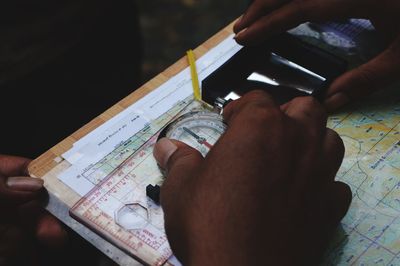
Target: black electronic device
{"type": "Point", "coordinates": [285, 67]}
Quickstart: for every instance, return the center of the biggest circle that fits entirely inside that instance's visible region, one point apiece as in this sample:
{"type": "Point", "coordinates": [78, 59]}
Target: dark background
{"type": "Point", "coordinates": [170, 27]}
{"type": "Point", "coordinates": [102, 67]}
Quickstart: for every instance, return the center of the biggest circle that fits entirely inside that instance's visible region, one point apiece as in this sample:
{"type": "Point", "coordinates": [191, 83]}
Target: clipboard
{"type": "Point", "coordinates": [50, 164]}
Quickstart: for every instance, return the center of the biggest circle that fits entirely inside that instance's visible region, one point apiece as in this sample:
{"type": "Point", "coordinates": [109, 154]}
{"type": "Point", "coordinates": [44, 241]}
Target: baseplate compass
{"type": "Point", "coordinates": [198, 129]}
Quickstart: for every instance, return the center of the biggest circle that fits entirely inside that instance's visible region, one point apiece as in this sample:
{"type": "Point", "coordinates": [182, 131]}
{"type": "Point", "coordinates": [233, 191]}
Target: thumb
{"type": "Point", "coordinates": [173, 155]}
{"type": "Point", "coordinates": [179, 161]}
{"type": "Point", "coordinates": [372, 76]}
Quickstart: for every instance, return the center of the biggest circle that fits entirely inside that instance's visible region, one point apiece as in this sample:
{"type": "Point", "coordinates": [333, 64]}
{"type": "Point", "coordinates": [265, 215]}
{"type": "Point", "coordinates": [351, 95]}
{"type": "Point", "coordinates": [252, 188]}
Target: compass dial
{"type": "Point", "coordinates": [200, 130]}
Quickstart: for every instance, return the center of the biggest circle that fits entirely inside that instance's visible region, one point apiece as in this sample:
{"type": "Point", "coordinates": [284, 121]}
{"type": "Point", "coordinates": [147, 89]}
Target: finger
{"type": "Point", "coordinates": [332, 205]}
{"type": "Point", "coordinates": [172, 154]}
{"type": "Point", "coordinates": [50, 232]}
{"type": "Point", "coordinates": [308, 112]}
{"type": "Point", "coordinates": [362, 81]}
{"type": "Point", "coordinates": [278, 21]}
{"type": "Point", "coordinates": [256, 99]}
{"type": "Point", "coordinates": [338, 198]}
{"type": "Point", "coordinates": [291, 15]}
{"type": "Point", "coordinates": [309, 127]}
{"type": "Point", "coordinates": [256, 10]}
{"type": "Point", "coordinates": [333, 152]}
{"type": "Point", "coordinates": [13, 165]}
{"type": "Point", "coordinates": [163, 150]}
{"type": "Point", "coordinates": [180, 162]}
{"type": "Point", "coordinates": [19, 189]}
{"type": "Point", "coordinates": [284, 106]}
{"type": "Point", "coordinates": [47, 229]}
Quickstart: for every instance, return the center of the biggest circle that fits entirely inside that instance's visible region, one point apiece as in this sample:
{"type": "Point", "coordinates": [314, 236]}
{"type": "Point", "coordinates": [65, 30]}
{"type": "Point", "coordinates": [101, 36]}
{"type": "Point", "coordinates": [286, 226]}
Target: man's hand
{"type": "Point", "coordinates": [265, 193]}
{"type": "Point", "coordinates": [265, 18]}
{"type": "Point", "coordinates": [23, 222]}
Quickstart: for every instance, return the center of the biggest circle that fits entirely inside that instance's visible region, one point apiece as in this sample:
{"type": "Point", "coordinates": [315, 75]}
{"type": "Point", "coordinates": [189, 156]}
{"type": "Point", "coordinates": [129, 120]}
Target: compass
{"type": "Point", "coordinates": [198, 129]}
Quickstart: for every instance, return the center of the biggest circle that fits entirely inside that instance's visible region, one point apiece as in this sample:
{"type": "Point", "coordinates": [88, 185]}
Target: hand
{"type": "Point", "coordinates": [23, 222]}
{"type": "Point", "coordinates": [264, 193]}
{"type": "Point", "coordinates": [265, 18]}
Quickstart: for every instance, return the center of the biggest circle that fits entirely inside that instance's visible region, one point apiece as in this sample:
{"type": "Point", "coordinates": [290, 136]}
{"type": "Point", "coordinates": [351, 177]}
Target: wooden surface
{"type": "Point", "coordinates": [50, 164]}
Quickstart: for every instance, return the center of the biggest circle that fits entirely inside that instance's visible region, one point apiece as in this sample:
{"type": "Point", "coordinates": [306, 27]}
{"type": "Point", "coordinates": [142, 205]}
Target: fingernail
{"type": "Point", "coordinates": [240, 33]}
{"type": "Point", "coordinates": [336, 101]}
{"type": "Point", "coordinates": [22, 183]}
{"type": "Point", "coordinates": [163, 149]}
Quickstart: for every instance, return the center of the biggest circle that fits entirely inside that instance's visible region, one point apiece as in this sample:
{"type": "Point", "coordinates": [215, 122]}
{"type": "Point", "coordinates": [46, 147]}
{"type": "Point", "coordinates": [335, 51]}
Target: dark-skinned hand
{"type": "Point", "coordinates": [265, 18]}
{"type": "Point", "coordinates": [23, 224]}
{"type": "Point", "coordinates": [265, 193]}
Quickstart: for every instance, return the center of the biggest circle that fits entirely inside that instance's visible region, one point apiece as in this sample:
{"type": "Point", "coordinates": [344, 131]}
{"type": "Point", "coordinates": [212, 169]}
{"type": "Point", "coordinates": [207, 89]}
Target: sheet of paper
{"type": "Point", "coordinates": [99, 143]}
{"type": "Point", "coordinates": [160, 100]}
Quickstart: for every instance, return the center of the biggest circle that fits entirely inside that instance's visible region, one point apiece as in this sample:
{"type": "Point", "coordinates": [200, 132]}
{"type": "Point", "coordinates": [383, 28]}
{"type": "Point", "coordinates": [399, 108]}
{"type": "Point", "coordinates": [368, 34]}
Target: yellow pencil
{"type": "Point", "coordinates": [193, 73]}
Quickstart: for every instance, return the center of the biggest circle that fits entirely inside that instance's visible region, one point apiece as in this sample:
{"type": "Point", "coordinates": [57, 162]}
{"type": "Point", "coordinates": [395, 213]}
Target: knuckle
{"type": "Point", "coordinates": [309, 103]}
{"type": "Point", "coordinates": [311, 109]}
{"type": "Point", "coordinates": [259, 106]}
{"type": "Point", "coordinates": [262, 125]}
{"type": "Point", "coordinates": [265, 115]}
{"type": "Point", "coordinates": [255, 95]}
{"type": "Point", "coordinates": [270, 124]}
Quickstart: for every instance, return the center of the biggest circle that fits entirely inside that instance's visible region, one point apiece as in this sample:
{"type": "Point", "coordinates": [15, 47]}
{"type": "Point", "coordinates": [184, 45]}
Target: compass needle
{"type": "Point", "coordinates": [208, 145]}
{"type": "Point", "coordinates": [192, 133]}
{"type": "Point", "coordinates": [203, 127]}
{"type": "Point", "coordinates": [200, 140]}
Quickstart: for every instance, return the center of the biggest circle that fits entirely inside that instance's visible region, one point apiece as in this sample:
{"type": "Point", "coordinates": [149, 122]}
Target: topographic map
{"type": "Point", "coordinates": [118, 209]}
{"type": "Point", "coordinates": [370, 232]}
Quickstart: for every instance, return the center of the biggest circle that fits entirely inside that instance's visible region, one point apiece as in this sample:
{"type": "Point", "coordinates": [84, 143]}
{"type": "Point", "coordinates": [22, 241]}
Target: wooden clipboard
{"type": "Point", "coordinates": [50, 164]}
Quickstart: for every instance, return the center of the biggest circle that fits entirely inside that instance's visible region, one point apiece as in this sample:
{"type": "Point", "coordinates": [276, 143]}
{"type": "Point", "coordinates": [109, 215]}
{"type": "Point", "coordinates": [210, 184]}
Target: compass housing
{"type": "Point", "coordinates": [199, 129]}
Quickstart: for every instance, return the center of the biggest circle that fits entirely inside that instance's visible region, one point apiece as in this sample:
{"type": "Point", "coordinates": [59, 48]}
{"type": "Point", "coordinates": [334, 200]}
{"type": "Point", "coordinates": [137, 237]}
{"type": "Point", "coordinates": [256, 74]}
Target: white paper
{"type": "Point", "coordinates": [103, 140]}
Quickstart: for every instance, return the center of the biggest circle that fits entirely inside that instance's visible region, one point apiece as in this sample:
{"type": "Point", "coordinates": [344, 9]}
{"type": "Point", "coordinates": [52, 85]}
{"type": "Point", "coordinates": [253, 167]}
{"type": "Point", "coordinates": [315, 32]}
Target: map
{"type": "Point", "coordinates": [370, 232]}
{"type": "Point", "coordinates": [118, 209]}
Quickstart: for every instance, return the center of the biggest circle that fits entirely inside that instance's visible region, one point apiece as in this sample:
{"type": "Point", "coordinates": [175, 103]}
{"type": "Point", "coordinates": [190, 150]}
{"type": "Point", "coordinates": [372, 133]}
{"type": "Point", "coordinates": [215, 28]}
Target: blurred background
{"type": "Point", "coordinates": [80, 57]}
{"type": "Point", "coordinates": [170, 27]}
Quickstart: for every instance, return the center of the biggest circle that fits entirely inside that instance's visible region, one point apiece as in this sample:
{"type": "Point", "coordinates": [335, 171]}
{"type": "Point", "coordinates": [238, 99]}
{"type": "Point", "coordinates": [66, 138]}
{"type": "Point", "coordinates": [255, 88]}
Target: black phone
{"type": "Point", "coordinates": [285, 67]}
